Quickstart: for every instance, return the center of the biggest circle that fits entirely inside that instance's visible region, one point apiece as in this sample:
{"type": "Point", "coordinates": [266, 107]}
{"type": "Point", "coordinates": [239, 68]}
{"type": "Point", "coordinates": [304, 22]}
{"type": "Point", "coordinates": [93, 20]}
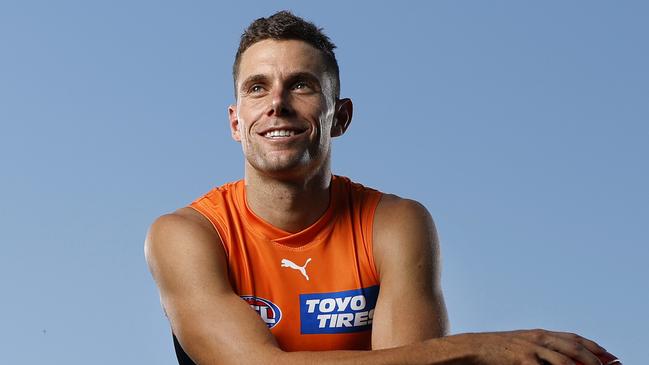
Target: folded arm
{"type": "Point", "coordinates": [214, 326]}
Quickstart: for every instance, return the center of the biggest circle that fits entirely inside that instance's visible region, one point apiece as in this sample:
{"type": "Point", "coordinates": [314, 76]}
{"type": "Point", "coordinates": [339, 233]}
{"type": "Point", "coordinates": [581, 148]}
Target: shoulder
{"type": "Point", "coordinates": [392, 207]}
{"type": "Point", "coordinates": [183, 233]}
{"type": "Point", "coordinates": [184, 221]}
{"type": "Point", "coordinates": [403, 230]}
{"type": "Point", "coordinates": [397, 216]}
{"type": "Point", "coordinates": [392, 211]}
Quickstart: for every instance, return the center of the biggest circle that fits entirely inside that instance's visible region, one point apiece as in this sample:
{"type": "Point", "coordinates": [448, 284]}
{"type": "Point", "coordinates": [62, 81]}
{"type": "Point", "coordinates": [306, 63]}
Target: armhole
{"type": "Point", "coordinates": [217, 223]}
{"type": "Point", "coordinates": [373, 200]}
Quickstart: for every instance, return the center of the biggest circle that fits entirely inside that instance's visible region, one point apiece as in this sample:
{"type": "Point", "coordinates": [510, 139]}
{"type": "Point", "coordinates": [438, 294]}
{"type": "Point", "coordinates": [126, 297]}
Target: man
{"type": "Point", "coordinates": [293, 265]}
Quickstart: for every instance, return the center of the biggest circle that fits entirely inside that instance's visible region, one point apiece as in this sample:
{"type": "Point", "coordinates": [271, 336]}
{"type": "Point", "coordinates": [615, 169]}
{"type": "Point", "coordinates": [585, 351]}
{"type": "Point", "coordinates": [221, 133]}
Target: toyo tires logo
{"type": "Point", "coordinates": [338, 312]}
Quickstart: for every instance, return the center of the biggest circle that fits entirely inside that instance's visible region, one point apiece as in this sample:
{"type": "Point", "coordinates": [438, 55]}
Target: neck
{"type": "Point", "coordinates": [291, 205]}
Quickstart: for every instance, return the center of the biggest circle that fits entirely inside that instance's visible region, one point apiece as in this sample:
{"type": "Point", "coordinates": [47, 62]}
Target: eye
{"type": "Point", "coordinates": [256, 88]}
{"type": "Point", "coordinates": [301, 85]}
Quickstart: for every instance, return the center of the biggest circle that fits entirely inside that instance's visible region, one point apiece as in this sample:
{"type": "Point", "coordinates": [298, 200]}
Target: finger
{"type": "Point", "coordinates": [573, 349]}
{"type": "Point", "coordinates": [609, 359]}
{"type": "Point", "coordinates": [591, 345]}
{"type": "Point", "coordinates": [549, 357]}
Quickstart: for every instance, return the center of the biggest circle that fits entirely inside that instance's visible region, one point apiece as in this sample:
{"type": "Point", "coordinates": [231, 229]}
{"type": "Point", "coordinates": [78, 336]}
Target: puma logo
{"type": "Point", "coordinates": [290, 264]}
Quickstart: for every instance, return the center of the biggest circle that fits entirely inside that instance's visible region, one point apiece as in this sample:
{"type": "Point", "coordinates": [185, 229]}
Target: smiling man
{"type": "Point", "coordinates": [295, 265]}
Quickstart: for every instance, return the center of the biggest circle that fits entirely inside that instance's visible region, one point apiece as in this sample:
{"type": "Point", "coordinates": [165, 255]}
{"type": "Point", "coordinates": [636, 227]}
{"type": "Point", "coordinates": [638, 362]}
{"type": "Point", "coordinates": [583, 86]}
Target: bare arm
{"type": "Point", "coordinates": [215, 326]}
{"type": "Point", "coordinates": [210, 321]}
{"type": "Point", "coordinates": [410, 307]}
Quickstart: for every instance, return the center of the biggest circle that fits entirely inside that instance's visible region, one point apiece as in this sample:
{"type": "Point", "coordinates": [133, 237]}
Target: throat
{"type": "Point", "coordinates": [288, 207]}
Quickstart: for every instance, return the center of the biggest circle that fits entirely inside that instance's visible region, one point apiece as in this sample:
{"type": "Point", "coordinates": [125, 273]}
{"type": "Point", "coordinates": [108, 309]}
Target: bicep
{"type": "Point", "coordinates": [411, 306]}
{"type": "Point", "coordinates": [211, 322]}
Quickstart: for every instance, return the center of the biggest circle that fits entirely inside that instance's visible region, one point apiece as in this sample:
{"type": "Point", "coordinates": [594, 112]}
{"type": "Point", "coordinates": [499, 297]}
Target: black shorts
{"type": "Point", "coordinates": [183, 358]}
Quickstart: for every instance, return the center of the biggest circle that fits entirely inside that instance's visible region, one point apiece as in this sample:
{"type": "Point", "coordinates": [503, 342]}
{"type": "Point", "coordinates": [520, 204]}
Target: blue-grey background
{"type": "Point", "coordinates": [522, 126]}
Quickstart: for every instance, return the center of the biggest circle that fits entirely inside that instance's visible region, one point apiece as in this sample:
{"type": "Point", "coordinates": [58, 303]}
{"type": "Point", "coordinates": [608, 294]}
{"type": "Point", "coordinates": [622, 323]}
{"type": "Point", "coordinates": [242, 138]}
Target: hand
{"type": "Point", "coordinates": [535, 347]}
{"type": "Point", "coordinates": [607, 359]}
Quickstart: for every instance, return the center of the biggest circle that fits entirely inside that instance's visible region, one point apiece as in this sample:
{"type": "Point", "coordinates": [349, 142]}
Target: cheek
{"type": "Point", "coordinates": [314, 109]}
{"type": "Point", "coordinates": [250, 113]}
{"type": "Point", "coordinates": [326, 119]}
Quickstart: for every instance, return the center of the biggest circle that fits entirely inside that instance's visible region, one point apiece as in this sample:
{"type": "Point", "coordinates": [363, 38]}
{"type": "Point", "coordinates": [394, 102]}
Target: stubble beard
{"type": "Point", "coordinates": [293, 165]}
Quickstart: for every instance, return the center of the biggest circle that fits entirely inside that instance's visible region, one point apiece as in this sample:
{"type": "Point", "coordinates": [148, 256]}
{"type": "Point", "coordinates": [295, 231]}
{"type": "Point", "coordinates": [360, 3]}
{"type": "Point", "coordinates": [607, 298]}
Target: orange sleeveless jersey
{"type": "Point", "coordinates": [315, 289]}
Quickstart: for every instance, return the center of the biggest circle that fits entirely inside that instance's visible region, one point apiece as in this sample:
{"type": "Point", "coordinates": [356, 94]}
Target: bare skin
{"type": "Point", "coordinates": [284, 85]}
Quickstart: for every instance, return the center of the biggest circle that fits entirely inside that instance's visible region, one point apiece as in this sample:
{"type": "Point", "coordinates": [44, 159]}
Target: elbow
{"type": "Point", "coordinates": [205, 351]}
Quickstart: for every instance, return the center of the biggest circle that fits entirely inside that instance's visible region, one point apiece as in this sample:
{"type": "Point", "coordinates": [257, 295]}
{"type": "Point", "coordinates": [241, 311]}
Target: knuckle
{"type": "Point", "coordinates": [539, 335]}
{"type": "Point", "coordinates": [577, 347]}
{"type": "Point", "coordinates": [575, 337]}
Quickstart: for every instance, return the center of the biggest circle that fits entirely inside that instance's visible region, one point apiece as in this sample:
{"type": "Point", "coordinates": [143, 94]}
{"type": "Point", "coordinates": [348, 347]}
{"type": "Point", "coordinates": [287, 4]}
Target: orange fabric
{"type": "Point", "coordinates": [336, 298]}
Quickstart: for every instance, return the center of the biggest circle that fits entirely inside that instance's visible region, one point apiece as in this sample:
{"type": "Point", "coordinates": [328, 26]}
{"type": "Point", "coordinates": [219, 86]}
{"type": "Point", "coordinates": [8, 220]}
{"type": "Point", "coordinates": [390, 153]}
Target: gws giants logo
{"type": "Point", "coordinates": [268, 311]}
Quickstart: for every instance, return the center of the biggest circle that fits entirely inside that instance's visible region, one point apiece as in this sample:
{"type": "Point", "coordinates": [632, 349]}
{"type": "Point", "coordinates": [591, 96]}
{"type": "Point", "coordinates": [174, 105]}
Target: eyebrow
{"type": "Point", "coordinates": [303, 75]}
{"type": "Point", "coordinates": [253, 79]}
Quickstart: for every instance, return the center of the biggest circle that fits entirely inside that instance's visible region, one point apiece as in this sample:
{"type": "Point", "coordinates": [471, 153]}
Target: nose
{"type": "Point", "coordinates": [279, 103]}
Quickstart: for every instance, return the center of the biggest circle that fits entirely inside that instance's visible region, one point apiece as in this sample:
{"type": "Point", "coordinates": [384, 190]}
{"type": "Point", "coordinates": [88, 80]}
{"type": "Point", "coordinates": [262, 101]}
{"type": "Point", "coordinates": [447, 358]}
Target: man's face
{"type": "Point", "coordinates": [285, 108]}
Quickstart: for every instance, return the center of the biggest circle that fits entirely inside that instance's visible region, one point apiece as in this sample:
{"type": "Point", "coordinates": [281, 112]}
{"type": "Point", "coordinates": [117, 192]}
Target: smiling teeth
{"type": "Point", "coordinates": [279, 133]}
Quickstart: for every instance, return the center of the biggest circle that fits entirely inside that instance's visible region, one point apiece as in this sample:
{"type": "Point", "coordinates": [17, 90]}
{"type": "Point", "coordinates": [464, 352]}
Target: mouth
{"type": "Point", "coordinates": [279, 133]}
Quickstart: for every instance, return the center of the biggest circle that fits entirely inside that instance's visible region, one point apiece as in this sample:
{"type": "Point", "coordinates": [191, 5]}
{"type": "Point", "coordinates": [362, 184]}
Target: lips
{"type": "Point", "coordinates": [281, 132]}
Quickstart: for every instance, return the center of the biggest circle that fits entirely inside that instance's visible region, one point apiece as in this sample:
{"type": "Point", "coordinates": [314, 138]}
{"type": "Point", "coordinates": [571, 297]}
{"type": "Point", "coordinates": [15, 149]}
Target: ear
{"type": "Point", "coordinates": [234, 122]}
{"type": "Point", "coordinates": [342, 117]}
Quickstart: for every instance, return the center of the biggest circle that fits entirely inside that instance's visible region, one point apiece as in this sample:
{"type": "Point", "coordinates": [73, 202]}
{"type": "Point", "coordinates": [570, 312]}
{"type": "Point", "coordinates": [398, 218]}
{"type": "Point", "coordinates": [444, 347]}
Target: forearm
{"type": "Point", "coordinates": [438, 351]}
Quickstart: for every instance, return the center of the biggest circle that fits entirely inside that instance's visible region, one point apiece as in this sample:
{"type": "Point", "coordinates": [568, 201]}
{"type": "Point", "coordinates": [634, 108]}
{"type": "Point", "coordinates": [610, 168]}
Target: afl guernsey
{"type": "Point", "coordinates": [315, 289]}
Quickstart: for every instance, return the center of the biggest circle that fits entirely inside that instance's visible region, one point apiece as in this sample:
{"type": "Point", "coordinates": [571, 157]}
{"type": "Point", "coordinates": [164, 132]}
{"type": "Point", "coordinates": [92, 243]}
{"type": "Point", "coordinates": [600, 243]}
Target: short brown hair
{"type": "Point", "coordinates": [283, 25]}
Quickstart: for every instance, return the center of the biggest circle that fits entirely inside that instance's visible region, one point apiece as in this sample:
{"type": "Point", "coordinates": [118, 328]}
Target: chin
{"type": "Point", "coordinates": [286, 168]}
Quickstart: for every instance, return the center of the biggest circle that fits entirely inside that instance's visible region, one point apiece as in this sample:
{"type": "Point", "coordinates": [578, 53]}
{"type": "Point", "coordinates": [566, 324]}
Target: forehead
{"type": "Point", "coordinates": [281, 57]}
